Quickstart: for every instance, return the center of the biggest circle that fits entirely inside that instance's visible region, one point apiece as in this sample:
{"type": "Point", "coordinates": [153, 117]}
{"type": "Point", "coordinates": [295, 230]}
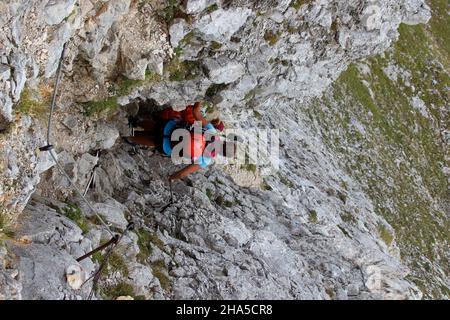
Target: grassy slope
{"type": "Point", "coordinates": [399, 154]}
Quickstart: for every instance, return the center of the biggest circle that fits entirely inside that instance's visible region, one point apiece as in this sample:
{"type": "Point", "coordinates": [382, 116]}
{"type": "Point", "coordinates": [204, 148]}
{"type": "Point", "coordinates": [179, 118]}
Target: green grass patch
{"type": "Point", "coordinates": [215, 46]}
{"type": "Point", "coordinates": [97, 257]}
{"type": "Point", "coordinates": [265, 186]}
{"type": "Point", "coordinates": [178, 51]}
{"type": "Point", "coordinates": [439, 26]}
{"type": "Point", "coordinates": [250, 95]}
{"type": "Point", "coordinates": [118, 290]}
{"type": "Point", "coordinates": [286, 181]}
{"type": "Point", "coordinates": [209, 194]}
{"type": "Point", "coordinates": [74, 213]}
{"type": "Point", "coordinates": [209, 107]}
{"type": "Point", "coordinates": [214, 89]}
{"type": "Point", "coordinates": [212, 8]}
{"type": "Point", "coordinates": [400, 156]}
{"type": "Point", "coordinates": [385, 235]}
{"type": "Point", "coordinates": [173, 11]}
{"type": "Point", "coordinates": [159, 270]}
{"type": "Point", "coordinates": [251, 167]}
{"type": "Point", "coordinates": [117, 263]}
{"type": "Point", "coordinates": [297, 4]}
{"type": "Point", "coordinates": [156, 241]}
{"type": "Point", "coordinates": [178, 70]}
{"type": "Point", "coordinates": [32, 104]}
{"type": "Point", "coordinates": [125, 86]}
{"type": "Point", "coordinates": [348, 217]}
{"type": "Point", "coordinates": [94, 107]}
{"type": "Point", "coordinates": [144, 243]}
{"type": "Point", "coordinates": [313, 216]}
{"type": "Point", "coordinates": [271, 37]}
{"type": "Point", "coordinates": [187, 39]}
{"type": "Point", "coordinates": [147, 241]}
{"type": "Point", "coordinates": [122, 87]}
{"type": "Point", "coordinates": [6, 231]}
{"type": "Point", "coordinates": [257, 115]}
{"type": "Point", "coordinates": [221, 201]}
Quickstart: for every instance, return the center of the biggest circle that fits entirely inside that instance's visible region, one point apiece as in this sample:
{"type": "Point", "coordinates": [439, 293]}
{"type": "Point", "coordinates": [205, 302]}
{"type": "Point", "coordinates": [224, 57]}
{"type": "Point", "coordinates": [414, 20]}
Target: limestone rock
{"type": "Point", "coordinates": [142, 279]}
{"type": "Point", "coordinates": [10, 286]}
{"type": "Point", "coordinates": [416, 12]}
{"type": "Point", "coordinates": [113, 212]}
{"type": "Point", "coordinates": [143, 45]}
{"type": "Point", "coordinates": [197, 6]}
{"type": "Point", "coordinates": [18, 62]}
{"type": "Point", "coordinates": [56, 10]}
{"type": "Point", "coordinates": [42, 256]}
{"type": "Point", "coordinates": [45, 162]}
{"type": "Point", "coordinates": [5, 72]}
{"type": "Point", "coordinates": [42, 264]}
{"type": "Point", "coordinates": [221, 24]}
{"type": "Point", "coordinates": [104, 136]}
{"type": "Point", "coordinates": [45, 226]}
{"type": "Point", "coordinates": [224, 71]}
{"type": "Point", "coordinates": [75, 276]}
{"type": "Point", "coordinates": [177, 31]}
{"type": "Point", "coordinates": [6, 112]}
{"type": "Point", "coordinates": [61, 36]}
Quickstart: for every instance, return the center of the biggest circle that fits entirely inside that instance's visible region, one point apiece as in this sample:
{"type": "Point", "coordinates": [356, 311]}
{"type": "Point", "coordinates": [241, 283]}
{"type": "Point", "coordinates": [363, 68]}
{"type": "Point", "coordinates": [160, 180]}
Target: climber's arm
{"type": "Point", "coordinates": [198, 114]}
{"type": "Point", "coordinates": [184, 172]}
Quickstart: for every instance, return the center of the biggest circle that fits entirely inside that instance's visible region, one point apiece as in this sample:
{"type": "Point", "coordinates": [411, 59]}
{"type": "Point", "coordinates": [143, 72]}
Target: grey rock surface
{"type": "Point", "coordinates": [224, 71]}
{"type": "Point", "coordinates": [177, 31]}
{"type": "Point", "coordinates": [113, 212]}
{"type": "Point", "coordinates": [43, 254]}
{"type": "Point", "coordinates": [232, 233]}
{"type": "Point", "coordinates": [220, 25]}
{"type": "Point", "coordinates": [197, 6]}
{"type": "Point", "coordinates": [10, 286]}
{"type": "Point", "coordinates": [56, 10]}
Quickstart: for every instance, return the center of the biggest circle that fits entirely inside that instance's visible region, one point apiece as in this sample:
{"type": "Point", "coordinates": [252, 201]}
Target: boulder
{"type": "Point", "coordinates": [75, 276]}
{"type": "Point", "coordinates": [197, 6]}
{"type": "Point", "coordinates": [56, 10]}
{"type": "Point", "coordinates": [177, 31]}
{"type": "Point", "coordinates": [220, 25]}
{"type": "Point", "coordinates": [223, 71]}
{"type": "Point", "coordinates": [6, 111]}
{"type": "Point", "coordinates": [113, 212]}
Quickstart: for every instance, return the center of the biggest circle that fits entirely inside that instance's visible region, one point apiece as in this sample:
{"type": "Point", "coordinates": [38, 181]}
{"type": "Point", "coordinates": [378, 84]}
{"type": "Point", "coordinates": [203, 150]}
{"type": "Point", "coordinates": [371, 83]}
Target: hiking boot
{"type": "Point", "coordinates": [128, 141]}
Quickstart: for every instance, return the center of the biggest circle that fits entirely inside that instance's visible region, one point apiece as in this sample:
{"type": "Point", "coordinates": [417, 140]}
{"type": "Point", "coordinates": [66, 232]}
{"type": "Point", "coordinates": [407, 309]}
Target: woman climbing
{"type": "Point", "coordinates": [157, 134]}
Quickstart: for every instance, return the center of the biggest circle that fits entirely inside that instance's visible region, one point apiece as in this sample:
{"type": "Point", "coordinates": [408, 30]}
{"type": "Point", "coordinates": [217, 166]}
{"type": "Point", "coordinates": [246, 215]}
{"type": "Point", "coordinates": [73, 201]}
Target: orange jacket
{"type": "Point", "coordinates": [187, 114]}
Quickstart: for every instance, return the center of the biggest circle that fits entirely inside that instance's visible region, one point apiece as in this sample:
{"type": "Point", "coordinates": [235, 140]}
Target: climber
{"type": "Point", "coordinates": [157, 134]}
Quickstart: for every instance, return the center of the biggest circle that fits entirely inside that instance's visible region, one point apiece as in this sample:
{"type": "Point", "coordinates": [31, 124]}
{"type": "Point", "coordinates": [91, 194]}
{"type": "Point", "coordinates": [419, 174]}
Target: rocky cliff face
{"type": "Point", "coordinates": [310, 230]}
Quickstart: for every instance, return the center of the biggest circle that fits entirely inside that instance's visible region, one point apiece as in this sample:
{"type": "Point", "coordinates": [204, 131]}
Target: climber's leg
{"type": "Point", "coordinates": [147, 125]}
{"type": "Point", "coordinates": [142, 139]}
{"type": "Point", "coordinates": [168, 114]}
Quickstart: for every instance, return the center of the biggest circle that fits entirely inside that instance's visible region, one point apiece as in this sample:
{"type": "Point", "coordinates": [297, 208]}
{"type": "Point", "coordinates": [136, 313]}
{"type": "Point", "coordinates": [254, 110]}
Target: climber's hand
{"type": "Point", "coordinates": [198, 114]}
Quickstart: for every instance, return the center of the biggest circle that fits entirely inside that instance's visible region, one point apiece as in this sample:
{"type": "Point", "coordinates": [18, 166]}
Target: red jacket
{"type": "Point", "coordinates": [187, 114]}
